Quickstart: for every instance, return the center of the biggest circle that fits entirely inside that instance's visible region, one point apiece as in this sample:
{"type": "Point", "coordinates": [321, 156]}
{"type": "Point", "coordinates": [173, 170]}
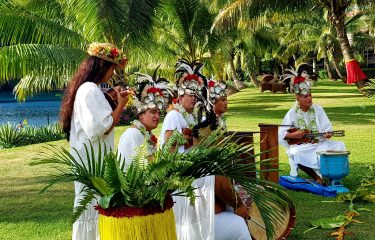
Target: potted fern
{"type": "Point", "coordinates": [136, 203]}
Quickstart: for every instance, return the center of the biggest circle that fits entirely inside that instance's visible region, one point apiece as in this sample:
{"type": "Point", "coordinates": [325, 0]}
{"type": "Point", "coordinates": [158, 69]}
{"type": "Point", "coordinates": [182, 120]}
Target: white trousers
{"type": "Point", "coordinates": [305, 154]}
{"type": "Point", "coordinates": [229, 226]}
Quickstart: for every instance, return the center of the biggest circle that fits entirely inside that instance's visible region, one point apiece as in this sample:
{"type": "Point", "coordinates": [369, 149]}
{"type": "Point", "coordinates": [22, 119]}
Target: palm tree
{"type": "Point", "coordinates": [42, 42]}
{"type": "Point", "coordinates": [337, 11]}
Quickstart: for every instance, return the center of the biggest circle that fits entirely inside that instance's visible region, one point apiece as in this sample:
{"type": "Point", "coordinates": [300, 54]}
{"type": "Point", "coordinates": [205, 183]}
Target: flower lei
{"type": "Point", "coordinates": [150, 139]}
{"type": "Point", "coordinates": [311, 120]}
{"type": "Point", "coordinates": [191, 118]}
{"type": "Point", "coordinates": [222, 122]}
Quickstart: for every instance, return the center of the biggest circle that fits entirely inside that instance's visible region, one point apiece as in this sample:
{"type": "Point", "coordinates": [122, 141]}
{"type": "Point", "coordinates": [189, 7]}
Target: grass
{"type": "Point", "coordinates": [25, 214]}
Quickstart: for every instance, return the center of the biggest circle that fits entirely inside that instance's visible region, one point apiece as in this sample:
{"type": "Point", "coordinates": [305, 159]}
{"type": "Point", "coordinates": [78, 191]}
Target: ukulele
{"type": "Point", "coordinates": [111, 97]}
{"type": "Point", "coordinates": [310, 137]}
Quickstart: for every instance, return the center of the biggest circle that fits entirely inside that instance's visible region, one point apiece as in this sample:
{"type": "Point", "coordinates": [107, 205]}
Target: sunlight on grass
{"type": "Point", "coordinates": [25, 214]}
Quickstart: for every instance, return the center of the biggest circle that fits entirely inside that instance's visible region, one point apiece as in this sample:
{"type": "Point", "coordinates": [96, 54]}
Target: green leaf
{"type": "Point", "coordinates": [329, 223]}
{"type": "Point", "coordinates": [101, 185]}
{"type": "Point", "coordinates": [105, 201]}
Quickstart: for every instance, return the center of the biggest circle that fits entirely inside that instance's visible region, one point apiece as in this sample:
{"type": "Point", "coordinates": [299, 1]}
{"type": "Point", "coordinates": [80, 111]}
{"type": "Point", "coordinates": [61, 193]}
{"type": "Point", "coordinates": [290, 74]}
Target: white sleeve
{"type": "Point", "coordinates": [93, 112]}
{"type": "Point", "coordinates": [288, 120]}
{"type": "Point", "coordinates": [129, 141]}
{"type": "Point", "coordinates": [171, 122]}
{"type": "Point", "coordinates": [324, 124]}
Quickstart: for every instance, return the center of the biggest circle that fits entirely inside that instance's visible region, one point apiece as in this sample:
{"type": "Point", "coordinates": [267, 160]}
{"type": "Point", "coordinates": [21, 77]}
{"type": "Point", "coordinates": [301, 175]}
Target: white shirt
{"type": "Point", "coordinates": [174, 120]}
{"type": "Point", "coordinates": [129, 141]}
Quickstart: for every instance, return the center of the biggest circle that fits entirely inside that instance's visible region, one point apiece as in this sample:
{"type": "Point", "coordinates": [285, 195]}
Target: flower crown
{"type": "Point", "coordinates": [154, 92]}
{"type": "Point", "coordinates": [108, 52]}
{"type": "Point", "coordinates": [189, 77]}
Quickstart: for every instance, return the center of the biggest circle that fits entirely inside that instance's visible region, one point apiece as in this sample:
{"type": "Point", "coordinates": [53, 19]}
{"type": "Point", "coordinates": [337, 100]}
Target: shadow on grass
{"type": "Point", "coordinates": [24, 203]}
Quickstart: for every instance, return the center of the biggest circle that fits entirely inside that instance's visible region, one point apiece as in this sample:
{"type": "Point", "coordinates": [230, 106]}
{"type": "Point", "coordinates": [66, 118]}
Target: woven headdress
{"type": "Point", "coordinates": [189, 77]}
{"type": "Point", "coordinates": [300, 79]}
{"type": "Point", "coordinates": [216, 90]}
{"type": "Point", "coordinates": [153, 92]}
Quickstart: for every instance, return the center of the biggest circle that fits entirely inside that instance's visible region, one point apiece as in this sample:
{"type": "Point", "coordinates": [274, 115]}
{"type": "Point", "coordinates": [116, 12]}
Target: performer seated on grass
{"type": "Point", "coordinates": [153, 96]}
{"type": "Point", "coordinates": [230, 210]}
{"type": "Point", "coordinates": [306, 115]}
{"type": "Point", "coordinates": [198, 221]}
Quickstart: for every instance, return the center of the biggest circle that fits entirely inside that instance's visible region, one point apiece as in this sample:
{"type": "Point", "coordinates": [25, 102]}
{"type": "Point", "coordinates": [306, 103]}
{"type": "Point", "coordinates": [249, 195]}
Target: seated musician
{"type": "Point", "coordinates": [230, 211]}
{"type": "Point", "coordinates": [306, 116]}
{"type": "Point", "coordinates": [153, 94]}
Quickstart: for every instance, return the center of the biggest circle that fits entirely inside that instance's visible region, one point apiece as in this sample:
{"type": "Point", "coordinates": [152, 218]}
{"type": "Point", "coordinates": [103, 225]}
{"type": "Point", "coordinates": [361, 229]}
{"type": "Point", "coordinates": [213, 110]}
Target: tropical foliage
{"type": "Point", "coordinates": [42, 42]}
{"type": "Point", "coordinates": [10, 136]}
{"type": "Point", "coordinates": [148, 182]}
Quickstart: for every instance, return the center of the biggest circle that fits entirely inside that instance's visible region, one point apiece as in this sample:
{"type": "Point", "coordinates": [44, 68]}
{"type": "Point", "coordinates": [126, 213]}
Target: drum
{"type": "Point", "coordinates": [334, 164]}
{"type": "Point", "coordinates": [282, 228]}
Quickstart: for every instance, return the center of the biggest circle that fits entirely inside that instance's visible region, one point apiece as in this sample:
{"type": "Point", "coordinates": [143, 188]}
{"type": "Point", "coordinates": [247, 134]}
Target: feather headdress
{"type": "Point", "coordinates": [153, 92]}
{"type": "Point", "coordinates": [300, 79]}
{"type": "Point", "coordinates": [216, 90]}
{"type": "Point", "coordinates": [189, 77]}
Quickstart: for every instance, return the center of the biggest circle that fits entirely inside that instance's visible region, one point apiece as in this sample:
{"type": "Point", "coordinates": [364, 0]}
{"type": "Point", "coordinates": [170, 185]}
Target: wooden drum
{"type": "Point", "coordinates": [282, 229]}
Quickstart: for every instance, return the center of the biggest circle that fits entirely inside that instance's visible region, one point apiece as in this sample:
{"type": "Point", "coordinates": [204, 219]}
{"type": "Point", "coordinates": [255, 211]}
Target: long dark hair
{"type": "Point", "coordinates": [92, 69]}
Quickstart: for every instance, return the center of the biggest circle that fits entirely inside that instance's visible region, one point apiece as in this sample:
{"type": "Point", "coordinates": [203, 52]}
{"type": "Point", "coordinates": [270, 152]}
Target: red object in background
{"type": "Point", "coordinates": [354, 72]}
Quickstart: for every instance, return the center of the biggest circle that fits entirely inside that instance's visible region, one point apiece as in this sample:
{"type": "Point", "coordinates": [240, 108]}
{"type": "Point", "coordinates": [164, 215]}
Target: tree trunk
{"type": "Point", "coordinates": [254, 80]}
{"type": "Point", "coordinates": [327, 67]}
{"type": "Point", "coordinates": [314, 64]}
{"type": "Point", "coordinates": [237, 83]}
{"type": "Point", "coordinates": [336, 65]}
{"type": "Point", "coordinates": [338, 20]}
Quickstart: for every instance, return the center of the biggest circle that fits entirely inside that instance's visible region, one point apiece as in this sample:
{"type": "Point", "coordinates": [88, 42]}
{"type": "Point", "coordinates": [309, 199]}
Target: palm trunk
{"type": "Point", "coordinates": [237, 83]}
{"type": "Point", "coordinates": [327, 66]}
{"type": "Point", "coordinates": [336, 65]}
{"type": "Point", "coordinates": [338, 21]}
{"type": "Point", "coordinates": [254, 80]}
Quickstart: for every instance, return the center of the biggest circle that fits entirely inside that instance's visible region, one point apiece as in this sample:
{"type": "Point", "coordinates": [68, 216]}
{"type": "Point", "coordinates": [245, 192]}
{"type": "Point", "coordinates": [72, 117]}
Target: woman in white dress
{"type": "Point", "coordinates": [86, 116]}
{"type": "Point", "coordinates": [306, 115]}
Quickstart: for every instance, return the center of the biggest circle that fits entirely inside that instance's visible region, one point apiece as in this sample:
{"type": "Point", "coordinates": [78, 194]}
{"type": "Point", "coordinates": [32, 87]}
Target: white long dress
{"type": "Point", "coordinates": [192, 222]}
{"type": "Point", "coordinates": [91, 119]}
{"type": "Point", "coordinates": [305, 154]}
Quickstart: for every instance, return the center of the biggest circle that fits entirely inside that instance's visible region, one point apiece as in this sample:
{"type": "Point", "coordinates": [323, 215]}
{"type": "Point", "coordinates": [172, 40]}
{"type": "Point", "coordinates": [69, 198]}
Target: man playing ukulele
{"type": "Point", "coordinates": [306, 117]}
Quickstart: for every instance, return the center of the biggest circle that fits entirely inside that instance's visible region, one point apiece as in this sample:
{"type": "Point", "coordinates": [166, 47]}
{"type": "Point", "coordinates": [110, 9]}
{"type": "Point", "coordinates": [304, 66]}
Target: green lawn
{"type": "Point", "coordinates": [25, 214]}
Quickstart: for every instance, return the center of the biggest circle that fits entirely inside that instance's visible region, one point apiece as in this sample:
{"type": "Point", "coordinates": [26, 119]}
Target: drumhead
{"type": "Point", "coordinates": [283, 228]}
{"type": "Point", "coordinates": [333, 152]}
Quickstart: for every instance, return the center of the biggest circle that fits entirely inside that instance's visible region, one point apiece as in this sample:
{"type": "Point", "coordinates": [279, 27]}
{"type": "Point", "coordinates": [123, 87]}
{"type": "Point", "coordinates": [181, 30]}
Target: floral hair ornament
{"type": "Point", "coordinates": [108, 52]}
{"type": "Point", "coordinates": [153, 92]}
{"type": "Point", "coordinates": [189, 77]}
{"type": "Point", "coordinates": [300, 81]}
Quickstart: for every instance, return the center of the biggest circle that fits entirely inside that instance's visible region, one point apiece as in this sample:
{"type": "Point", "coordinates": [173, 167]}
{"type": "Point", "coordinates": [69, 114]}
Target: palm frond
{"type": "Point", "coordinates": [22, 27]}
{"type": "Point", "coordinates": [87, 197]}
{"type": "Point", "coordinates": [148, 183]}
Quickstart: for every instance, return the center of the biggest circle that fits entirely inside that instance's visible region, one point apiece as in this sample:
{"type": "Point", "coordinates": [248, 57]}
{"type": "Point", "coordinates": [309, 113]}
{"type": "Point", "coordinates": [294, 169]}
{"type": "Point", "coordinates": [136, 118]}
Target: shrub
{"type": "Point", "coordinates": [323, 74]}
{"type": "Point", "coordinates": [11, 137]}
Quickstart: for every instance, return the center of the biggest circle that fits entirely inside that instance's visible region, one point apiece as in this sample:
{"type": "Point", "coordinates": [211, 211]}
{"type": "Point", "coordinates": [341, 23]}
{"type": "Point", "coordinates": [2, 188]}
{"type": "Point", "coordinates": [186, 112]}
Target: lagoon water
{"type": "Point", "coordinates": [38, 110]}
